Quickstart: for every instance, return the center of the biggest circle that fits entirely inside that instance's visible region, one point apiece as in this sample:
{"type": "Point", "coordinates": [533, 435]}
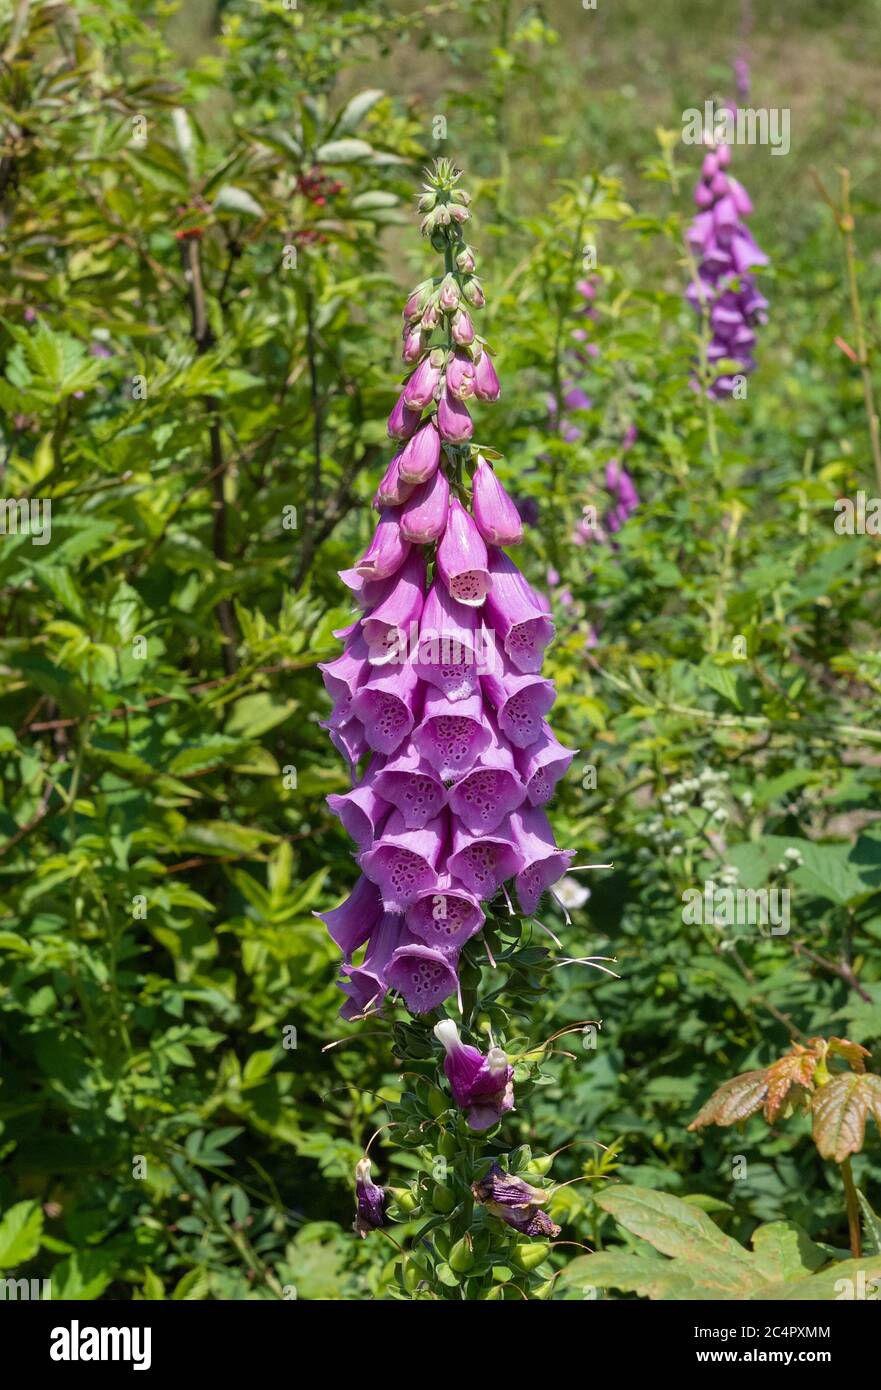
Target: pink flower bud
{"type": "Point", "coordinates": [453, 420]}
{"type": "Point", "coordinates": [460, 376]}
{"type": "Point", "coordinates": [449, 295]}
{"type": "Point", "coordinates": [462, 329]}
{"type": "Point", "coordinates": [412, 349]}
{"type": "Point", "coordinates": [422, 384]}
{"type": "Point", "coordinates": [498, 520]}
{"type": "Point", "coordinates": [462, 559]}
{"type": "Point", "coordinates": [425, 514]}
{"type": "Point", "coordinates": [486, 383]}
{"type": "Point", "coordinates": [403, 422]}
{"type": "Point", "coordinates": [420, 456]}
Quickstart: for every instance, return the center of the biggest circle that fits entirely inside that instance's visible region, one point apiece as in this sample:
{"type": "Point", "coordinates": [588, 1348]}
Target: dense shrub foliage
{"type": "Point", "coordinates": [202, 270]}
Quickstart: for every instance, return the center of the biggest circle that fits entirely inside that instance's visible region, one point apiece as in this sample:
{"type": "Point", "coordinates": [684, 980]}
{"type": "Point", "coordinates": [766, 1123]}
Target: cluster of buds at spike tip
{"type": "Point", "coordinates": [439, 704]}
{"type": "Point", "coordinates": [725, 292]}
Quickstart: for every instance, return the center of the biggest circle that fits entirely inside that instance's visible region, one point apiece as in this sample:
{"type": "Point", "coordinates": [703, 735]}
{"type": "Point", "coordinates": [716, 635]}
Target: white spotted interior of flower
{"type": "Point", "coordinates": [482, 791]}
{"type": "Point", "coordinates": [449, 926]}
{"type": "Point", "coordinates": [390, 718]}
{"type": "Point", "coordinates": [406, 872]}
{"type": "Point", "coordinates": [522, 639]}
{"type": "Point", "coordinates": [453, 738]}
{"type": "Point", "coordinates": [425, 977]}
{"type": "Point", "coordinates": [469, 586]}
{"type": "Point", "coordinates": [483, 860]}
{"type": "Point", "coordinates": [521, 716]}
{"type": "Point", "coordinates": [420, 798]}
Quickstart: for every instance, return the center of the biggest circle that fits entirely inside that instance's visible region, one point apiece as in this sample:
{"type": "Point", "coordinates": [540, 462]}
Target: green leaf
{"type": "Point", "coordinates": [343, 151]}
{"type": "Point", "coordinates": [20, 1231]}
{"type": "Point", "coordinates": [840, 1109]}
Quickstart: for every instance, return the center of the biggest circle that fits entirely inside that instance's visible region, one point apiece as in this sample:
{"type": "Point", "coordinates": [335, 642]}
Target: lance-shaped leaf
{"type": "Point", "coordinates": [840, 1110]}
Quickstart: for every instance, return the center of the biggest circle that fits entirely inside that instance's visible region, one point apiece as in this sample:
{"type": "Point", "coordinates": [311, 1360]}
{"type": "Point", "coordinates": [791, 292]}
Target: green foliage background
{"type": "Point", "coordinates": [164, 834]}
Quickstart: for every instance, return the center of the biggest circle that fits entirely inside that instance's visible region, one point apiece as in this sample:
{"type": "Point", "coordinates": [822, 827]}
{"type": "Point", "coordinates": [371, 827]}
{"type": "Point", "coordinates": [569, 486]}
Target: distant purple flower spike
{"type": "Point", "coordinates": [481, 1086]}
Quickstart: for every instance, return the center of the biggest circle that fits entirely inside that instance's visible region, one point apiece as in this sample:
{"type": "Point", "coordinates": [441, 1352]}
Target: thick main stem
{"type": "Point", "coordinates": [853, 1210]}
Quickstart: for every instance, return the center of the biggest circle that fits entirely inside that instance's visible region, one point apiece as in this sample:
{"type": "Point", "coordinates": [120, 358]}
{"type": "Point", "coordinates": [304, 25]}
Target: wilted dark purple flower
{"type": "Point", "coordinates": [516, 1203]}
{"type": "Point", "coordinates": [370, 1200]}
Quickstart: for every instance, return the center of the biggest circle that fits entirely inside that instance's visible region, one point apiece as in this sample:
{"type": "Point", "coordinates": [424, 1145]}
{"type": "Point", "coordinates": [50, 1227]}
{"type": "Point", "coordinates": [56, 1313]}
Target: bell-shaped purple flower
{"type": "Point", "coordinates": [482, 861]}
{"type": "Point", "coordinates": [445, 916]}
{"type": "Point", "coordinates": [516, 613]}
{"type": "Point", "coordinates": [483, 797]}
{"type": "Point", "coordinates": [543, 863]}
{"type": "Point", "coordinates": [403, 862]}
{"type": "Point", "coordinates": [515, 1202]}
{"type": "Point", "coordinates": [350, 924]}
{"type": "Point", "coordinates": [365, 985]}
{"type": "Point", "coordinates": [462, 557]}
{"type": "Point", "coordinates": [460, 376]}
{"type": "Point", "coordinates": [449, 645]}
{"type": "Point", "coordinates": [386, 626]}
{"type": "Point", "coordinates": [541, 764]}
{"type": "Point", "coordinates": [423, 975]}
{"type": "Point", "coordinates": [452, 735]}
{"type": "Point", "coordinates": [388, 706]}
{"type": "Point", "coordinates": [521, 701]}
{"type": "Point", "coordinates": [481, 1086]}
{"type": "Point", "coordinates": [362, 811]}
{"type": "Point", "coordinates": [408, 783]}
{"type": "Point", "coordinates": [496, 516]}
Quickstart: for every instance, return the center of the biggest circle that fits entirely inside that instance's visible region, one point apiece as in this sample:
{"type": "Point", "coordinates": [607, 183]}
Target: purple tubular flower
{"type": "Point", "coordinates": [724, 290]}
{"type": "Point", "coordinates": [403, 862]}
{"type": "Point", "coordinates": [348, 739]}
{"type": "Point", "coordinates": [486, 382]}
{"type": "Point", "coordinates": [481, 1086]}
{"type": "Point", "coordinates": [420, 456]}
{"type": "Point", "coordinates": [345, 673]}
{"type": "Point", "coordinates": [409, 784]}
{"type": "Point", "coordinates": [387, 551]}
{"type": "Point", "coordinates": [453, 421]}
{"type": "Point", "coordinates": [460, 378]}
{"type": "Point", "coordinates": [541, 765]}
{"type": "Point", "coordinates": [370, 1201]}
{"type": "Point", "coordinates": [483, 797]}
{"type": "Point", "coordinates": [366, 985]}
{"type": "Point", "coordinates": [403, 421]}
{"type": "Point", "coordinates": [423, 975]}
{"type": "Point", "coordinates": [543, 863]}
{"type": "Point", "coordinates": [362, 811]}
{"type": "Point", "coordinates": [497, 518]}
{"type": "Point", "coordinates": [354, 920]}
{"type": "Point", "coordinates": [516, 1203]}
{"type": "Point", "coordinates": [521, 701]}
{"type": "Point", "coordinates": [445, 916]}
{"type": "Point", "coordinates": [423, 383]}
{"type": "Point", "coordinates": [452, 736]}
{"type": "Point", "coordinates": [516, 613]}
{"type": "Point", "coordinates": [448, 645]}
{"type": "Point", "coordinates": [484, 862]}
{"type": "Point", "coordinates": [387, 706]}
{"type": "Point", "coordinates": [392, 491]}
{"type": "Point", "coordinates": [424, 516]}
{"type": "Point", "coordinates": [387, 625]}
{"type": "Point", "coordinates": [462, 558]}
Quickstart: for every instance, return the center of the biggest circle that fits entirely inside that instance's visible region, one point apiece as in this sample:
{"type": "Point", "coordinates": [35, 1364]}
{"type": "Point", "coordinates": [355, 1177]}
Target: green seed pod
{"type": "Point", "coordinates": [538, 1166]}
{"type": "Point", "coordinates": [461, 1256]}
{"type": "Point", "coordinates": [442, 1199]}
{"type": "Point", "coordinates": [530, 1254]}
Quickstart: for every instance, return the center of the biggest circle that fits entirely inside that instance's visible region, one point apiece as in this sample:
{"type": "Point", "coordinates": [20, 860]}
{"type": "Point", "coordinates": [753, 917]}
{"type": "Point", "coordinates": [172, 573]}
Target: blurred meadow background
{"type": "Point", "coordinates": [210, 458]}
